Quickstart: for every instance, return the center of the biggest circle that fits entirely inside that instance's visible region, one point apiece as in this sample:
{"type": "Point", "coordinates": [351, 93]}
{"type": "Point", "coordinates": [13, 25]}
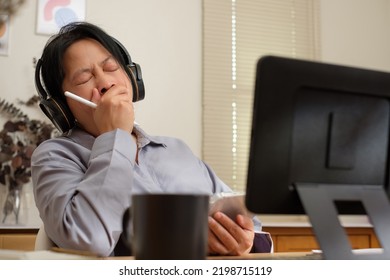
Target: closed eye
{"type": "Point", "coordinates": [83, 78]}
{"type": "Point", "coordinates": [110, 65]}
{"type": "Point", "coordinates": [85, 75]}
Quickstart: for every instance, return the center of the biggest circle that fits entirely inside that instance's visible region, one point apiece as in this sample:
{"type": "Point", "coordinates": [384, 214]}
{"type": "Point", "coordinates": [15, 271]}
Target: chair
{"type": "Point", "coordinates": [42, 241]}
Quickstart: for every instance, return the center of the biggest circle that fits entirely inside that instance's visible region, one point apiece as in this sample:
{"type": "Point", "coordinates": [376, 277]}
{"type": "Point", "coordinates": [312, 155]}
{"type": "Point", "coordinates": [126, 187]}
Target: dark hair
{"type": "Point", "coordinates": [52, 69]}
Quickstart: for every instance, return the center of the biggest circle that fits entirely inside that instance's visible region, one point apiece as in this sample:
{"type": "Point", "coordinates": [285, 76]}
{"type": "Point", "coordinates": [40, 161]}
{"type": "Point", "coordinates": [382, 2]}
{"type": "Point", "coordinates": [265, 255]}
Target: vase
{"type": "Point", "coordinates": [13, 206]}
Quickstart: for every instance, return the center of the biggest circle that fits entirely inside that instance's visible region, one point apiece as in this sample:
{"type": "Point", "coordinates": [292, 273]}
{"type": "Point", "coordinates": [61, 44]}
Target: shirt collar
{"type": "Point", "coordinates": [144, 139]}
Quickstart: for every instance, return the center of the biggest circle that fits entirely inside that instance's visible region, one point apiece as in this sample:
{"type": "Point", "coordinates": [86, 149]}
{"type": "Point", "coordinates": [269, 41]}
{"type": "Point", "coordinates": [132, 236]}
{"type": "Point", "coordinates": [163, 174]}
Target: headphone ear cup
{"type": "Point", "coordinates": [134, 72]}
{"type": "Point", "coordinates": [137, 82]}
{"type": "Point", "coordinates": [60, 115]}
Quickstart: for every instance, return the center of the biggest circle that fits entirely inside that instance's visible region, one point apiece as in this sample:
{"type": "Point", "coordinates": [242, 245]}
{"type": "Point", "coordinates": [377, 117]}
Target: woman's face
{"type": "Point", "coordinates": [90, 68]}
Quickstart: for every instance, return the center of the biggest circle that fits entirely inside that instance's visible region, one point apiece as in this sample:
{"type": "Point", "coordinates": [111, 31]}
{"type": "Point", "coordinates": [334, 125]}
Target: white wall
{"type": "Point", "coordinates": [164, 37]}
{"type": "Point", "coordinates": [356, 33]}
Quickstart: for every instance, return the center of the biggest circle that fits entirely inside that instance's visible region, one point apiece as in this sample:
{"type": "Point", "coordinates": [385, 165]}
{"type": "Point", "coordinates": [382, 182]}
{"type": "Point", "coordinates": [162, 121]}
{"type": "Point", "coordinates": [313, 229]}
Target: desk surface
{"type": "Point", "coordinates": [255, 256]}
{"type": "Point", "coordinates": [272, 256]}
{"type": "Point", "coordinates": [74, 255]}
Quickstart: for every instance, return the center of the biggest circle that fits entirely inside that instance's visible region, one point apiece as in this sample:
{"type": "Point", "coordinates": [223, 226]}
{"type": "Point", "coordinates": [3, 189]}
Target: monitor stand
{"type": "Point", "coordinates": [318, 202]}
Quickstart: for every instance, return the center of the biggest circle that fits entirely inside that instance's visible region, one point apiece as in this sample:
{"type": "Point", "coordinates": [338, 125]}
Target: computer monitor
{"type": "Point", "coordinates": [320, 145]}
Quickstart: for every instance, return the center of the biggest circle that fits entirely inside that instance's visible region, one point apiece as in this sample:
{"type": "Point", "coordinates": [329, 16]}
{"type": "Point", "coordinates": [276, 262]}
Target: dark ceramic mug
{"type": "Point", "coordinates": [167, 226]}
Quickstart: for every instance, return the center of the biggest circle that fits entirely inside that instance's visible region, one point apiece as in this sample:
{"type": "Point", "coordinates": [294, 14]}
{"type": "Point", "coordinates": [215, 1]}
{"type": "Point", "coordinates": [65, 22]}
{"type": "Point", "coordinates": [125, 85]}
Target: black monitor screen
{"type": "Point", "coordinates": [316, 123]}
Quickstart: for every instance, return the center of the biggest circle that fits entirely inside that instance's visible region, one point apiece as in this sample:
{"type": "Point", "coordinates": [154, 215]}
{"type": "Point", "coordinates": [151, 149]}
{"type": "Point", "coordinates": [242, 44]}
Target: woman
{"type": "Point", "coordinates": [83, 180]}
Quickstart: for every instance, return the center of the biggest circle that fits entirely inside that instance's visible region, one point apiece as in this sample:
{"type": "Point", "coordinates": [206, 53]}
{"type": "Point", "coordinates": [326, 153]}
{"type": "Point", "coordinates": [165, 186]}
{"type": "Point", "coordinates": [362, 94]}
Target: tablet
{"type": "Point", "coordinates": [230, 204]}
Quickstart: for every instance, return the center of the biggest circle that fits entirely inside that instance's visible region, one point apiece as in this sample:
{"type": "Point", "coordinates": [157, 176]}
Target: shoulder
{"type": "Point", "coordinates": [74, 143]}
{"type": "Point", "coordinates": [61, 146]}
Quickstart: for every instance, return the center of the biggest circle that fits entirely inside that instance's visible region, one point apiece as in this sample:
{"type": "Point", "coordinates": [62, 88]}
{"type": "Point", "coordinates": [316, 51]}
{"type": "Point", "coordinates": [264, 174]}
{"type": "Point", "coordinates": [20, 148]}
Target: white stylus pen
{"type": "Point", "coordinates": [80, 99]}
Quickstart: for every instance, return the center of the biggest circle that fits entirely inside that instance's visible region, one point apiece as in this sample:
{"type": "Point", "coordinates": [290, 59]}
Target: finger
{"type": "Point", "coordinates": [95, 96]}
{"type": "Point", "coordinates": [225, 229]}
{"type": "Point", "coordinates": [237, 239]}
{"type": "Point", "coordinates": [228, 224]}
{"type": "Point", "coordinates": [117, 96]}
{"type": "Point", "coordinates": [245, 222]}
{"type": "Point", "coordinates": [117, 90]}
{"type": "Point", "coordinates": [214, 244]}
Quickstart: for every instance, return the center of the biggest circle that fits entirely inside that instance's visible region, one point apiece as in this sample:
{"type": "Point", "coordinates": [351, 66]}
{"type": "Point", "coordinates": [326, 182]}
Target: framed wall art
{"type": "Point", "coordinates": [4, 34]}
{"type": "Point", "coordinates": [53, 14]}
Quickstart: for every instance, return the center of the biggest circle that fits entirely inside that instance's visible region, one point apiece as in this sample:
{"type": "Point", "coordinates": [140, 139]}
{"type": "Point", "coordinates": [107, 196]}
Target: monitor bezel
{"type": "Point", "coordinates": [272, 125]}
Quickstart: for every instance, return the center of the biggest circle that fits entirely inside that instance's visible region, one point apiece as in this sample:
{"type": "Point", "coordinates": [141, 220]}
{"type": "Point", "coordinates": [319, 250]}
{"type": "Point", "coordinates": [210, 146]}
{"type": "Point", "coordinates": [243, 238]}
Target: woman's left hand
{"type": "Point", "coordinates": [228, 237]}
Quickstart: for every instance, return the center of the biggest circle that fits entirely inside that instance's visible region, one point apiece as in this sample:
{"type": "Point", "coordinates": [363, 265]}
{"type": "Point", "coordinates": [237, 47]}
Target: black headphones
{"type": "Point", "coordinates": [58, 111]}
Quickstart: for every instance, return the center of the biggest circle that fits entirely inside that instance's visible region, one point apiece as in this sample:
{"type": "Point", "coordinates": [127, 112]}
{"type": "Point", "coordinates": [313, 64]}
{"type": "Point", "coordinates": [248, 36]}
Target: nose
{"type": "Point", "coordinates": [103, 81]}
{"type": "Point", "coordinates": [103, 90]}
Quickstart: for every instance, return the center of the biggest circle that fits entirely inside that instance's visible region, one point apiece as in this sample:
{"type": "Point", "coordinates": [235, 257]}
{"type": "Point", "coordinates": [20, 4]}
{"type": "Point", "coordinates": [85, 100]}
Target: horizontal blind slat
{"type": "Point", "coordinates": [262, 27]}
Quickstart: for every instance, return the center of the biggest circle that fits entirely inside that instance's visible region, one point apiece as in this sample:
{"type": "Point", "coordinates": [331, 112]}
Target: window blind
{"type": "Point", "coordinates": [236, 33]}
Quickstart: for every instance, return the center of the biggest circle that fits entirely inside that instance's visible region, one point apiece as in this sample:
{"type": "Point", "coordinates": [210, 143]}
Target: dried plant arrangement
{"type": "Point", "coordinates": [18, 139]}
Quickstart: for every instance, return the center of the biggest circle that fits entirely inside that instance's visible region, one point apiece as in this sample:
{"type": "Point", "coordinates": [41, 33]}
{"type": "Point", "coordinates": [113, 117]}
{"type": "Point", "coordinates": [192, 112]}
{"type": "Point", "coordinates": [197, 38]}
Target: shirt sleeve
{"type": "Point", "coordinates": [81, 194]}
{"type": "Point", "coordinates": [262, 243]}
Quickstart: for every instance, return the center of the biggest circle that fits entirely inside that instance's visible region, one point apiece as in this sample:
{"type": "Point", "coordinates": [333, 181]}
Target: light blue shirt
{"type": "Point", "coordinates": [83, 184]}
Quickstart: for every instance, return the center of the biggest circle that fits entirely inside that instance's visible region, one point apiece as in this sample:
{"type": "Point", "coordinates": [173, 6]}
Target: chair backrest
{"type": "Point", "coordinates": [42, 241]}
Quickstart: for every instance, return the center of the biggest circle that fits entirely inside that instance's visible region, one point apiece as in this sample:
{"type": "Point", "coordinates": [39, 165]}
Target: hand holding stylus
{"type": "Point", "coordinates": [82, 100]}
